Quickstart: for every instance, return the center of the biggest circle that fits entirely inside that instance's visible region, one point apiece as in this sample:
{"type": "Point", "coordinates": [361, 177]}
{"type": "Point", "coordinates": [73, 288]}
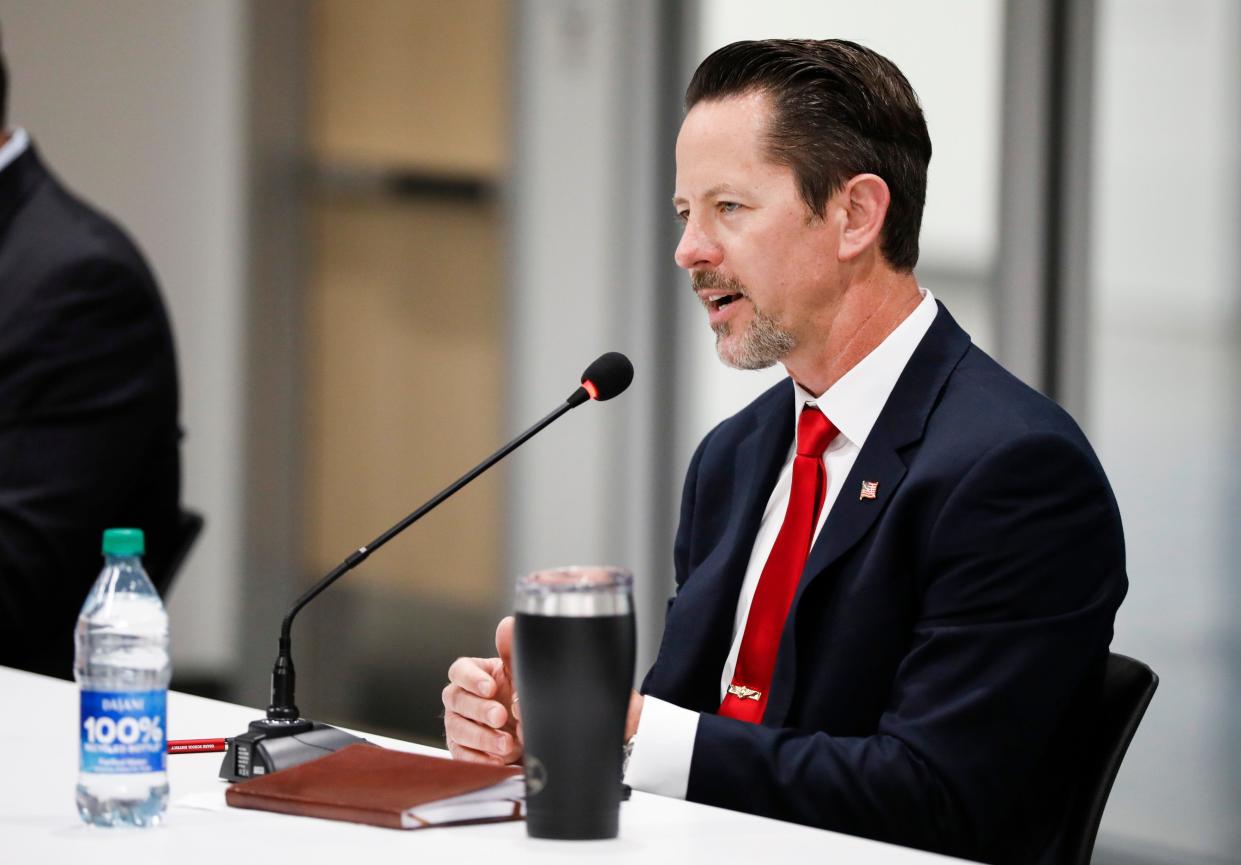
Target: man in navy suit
{"type": "Point", "coordinates": [88, 405]}
{"type": "Point", "coordinates": [897, 571]}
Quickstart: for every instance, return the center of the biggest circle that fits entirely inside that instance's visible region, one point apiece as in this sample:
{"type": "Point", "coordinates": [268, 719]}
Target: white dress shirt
{"type": "Point", "coordinates": [660, 760]}
{"type": "Point", "coordinates": [14, 147]}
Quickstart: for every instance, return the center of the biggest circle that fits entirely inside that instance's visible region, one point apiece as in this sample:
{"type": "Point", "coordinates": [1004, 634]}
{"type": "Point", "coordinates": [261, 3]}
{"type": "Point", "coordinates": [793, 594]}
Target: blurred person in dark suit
{"type": "Point", "coordinates": [897, 570]}
{"type": "Point", "coordinates": [88, 404]}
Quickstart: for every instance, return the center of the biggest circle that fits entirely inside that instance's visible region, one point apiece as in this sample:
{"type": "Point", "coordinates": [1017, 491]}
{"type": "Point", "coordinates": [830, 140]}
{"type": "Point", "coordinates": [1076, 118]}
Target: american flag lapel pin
{"type": "Point", "coordinates": [870, 489]}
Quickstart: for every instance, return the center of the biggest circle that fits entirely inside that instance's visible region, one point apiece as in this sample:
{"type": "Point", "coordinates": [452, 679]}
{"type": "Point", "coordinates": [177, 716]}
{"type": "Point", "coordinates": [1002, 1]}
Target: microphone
{"type": "Point", "coordinates": [283, 738]}
{"type": "Point", "coordinates": [607, 377]}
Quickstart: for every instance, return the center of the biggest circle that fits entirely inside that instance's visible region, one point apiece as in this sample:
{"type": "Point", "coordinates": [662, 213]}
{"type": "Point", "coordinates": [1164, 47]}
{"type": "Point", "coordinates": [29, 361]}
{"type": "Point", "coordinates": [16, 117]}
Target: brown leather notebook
{"type": "Point", "coordinates": [369, 784]}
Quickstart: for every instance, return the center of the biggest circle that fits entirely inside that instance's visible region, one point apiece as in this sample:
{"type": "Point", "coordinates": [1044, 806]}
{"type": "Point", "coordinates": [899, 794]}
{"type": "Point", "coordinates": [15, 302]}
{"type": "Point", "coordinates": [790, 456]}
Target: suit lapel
{"type": "Point", "coordinates": [706, 605]}
{"type": "Point", "coordinates": [760, 456]}
{"type": "Point", "coordinates": [900, 424]}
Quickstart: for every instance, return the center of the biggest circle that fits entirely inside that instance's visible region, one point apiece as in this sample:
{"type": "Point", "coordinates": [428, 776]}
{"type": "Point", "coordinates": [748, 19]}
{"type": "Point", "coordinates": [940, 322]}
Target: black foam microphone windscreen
{"type": "Point", "coordinates": [608, 376]}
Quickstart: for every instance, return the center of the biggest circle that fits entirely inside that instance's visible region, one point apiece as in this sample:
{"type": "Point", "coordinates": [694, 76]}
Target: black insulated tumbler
{"type": "Point", "coordinates": [574, 659]}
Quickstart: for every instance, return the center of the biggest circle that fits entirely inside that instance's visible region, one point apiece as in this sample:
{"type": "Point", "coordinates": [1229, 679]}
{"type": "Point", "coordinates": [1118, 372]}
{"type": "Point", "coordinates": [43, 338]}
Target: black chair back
{"type": "Point", "coordinates": [189, 527]}
{"type": "Point", "coordinates": [1128, 686]}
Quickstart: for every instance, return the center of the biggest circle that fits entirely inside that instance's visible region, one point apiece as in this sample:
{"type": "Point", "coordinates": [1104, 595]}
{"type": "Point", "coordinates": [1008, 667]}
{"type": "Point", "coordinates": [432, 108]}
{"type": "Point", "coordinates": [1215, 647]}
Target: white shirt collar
{"type": "Point", "coordinates": [854, 402]}
{"type": "Point", "coordinates": [14, 147]}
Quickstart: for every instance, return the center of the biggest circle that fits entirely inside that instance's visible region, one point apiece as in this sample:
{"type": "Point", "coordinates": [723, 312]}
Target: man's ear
{"type": "Point", "coordinates": [865, 199]}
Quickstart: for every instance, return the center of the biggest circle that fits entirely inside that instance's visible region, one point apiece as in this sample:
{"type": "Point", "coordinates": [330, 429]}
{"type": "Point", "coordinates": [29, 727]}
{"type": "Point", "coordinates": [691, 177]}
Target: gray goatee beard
{"type": "Point", "coordinates": [761, 344]}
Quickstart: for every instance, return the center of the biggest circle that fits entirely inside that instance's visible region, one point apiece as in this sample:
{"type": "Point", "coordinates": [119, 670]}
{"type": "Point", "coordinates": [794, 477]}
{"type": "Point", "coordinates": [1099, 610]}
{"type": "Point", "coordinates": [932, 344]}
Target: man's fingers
{"type": "Point", "coordinates": [504, 640]}
{"type": "Point", "coordinates": [469, 755]}
{"type": "Point", "coordinates": [474, 709]}
{"type": "Point", "coordinates": [480, 737]}
{"type": "Point", "coordinates": [475, 675]}
{"type": "Point", "coordinates": [463, 732]}
{"type": "Point", "coordinates": [521, 739]}
{"type": "Point", "coordinates": [462, 702]}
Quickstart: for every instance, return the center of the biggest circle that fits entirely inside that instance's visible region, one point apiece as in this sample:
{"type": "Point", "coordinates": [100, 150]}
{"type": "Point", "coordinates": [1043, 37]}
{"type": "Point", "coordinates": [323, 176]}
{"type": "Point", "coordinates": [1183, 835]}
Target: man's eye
{"type": "Point", "coordinates": [728, 206]}
{"type": "Point", "coordinates": [682, 216]}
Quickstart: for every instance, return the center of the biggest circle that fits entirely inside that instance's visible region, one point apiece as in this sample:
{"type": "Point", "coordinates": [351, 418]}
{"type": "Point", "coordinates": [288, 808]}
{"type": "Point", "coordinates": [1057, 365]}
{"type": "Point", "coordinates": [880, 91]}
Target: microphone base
{"type": "Point", "coordinates": [269, 746]}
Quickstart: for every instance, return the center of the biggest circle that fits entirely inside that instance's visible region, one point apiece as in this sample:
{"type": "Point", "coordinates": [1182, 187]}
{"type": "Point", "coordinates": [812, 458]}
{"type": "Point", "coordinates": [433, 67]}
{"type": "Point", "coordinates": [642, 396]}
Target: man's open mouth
{"type": "Point", "coordinates": [720, 300]}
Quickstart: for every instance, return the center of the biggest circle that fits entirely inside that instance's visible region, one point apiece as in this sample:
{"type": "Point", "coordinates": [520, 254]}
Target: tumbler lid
{"type": "Point", "coordinates": [576, 590]}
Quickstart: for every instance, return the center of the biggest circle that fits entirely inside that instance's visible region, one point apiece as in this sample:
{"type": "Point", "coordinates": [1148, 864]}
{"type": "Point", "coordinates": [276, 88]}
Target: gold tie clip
{"type": "Point", "coordinates": [741, 692]}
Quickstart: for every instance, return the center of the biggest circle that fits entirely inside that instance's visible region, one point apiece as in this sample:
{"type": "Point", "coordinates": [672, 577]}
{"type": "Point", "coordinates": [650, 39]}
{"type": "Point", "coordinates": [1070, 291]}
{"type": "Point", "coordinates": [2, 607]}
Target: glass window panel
{"type": "Point", "coordinates": [1166, 400]}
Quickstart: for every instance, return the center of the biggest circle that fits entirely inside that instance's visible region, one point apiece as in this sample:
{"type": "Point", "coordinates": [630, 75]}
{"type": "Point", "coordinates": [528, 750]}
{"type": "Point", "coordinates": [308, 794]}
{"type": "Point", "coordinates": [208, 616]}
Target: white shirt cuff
{"type": "Point", "coordinates": [662, 749]}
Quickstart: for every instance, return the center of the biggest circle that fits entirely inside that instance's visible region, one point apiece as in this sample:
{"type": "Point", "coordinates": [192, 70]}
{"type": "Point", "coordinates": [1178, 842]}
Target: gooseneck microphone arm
{"type": "Point", "coordinates": [282, 677]}
{"type": "Point", "coordinates": [610, 374]}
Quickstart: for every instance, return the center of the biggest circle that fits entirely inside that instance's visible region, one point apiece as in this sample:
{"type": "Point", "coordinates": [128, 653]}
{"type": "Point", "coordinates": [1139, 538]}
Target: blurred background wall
{"type": "Point", "coordinates": [392, 233]}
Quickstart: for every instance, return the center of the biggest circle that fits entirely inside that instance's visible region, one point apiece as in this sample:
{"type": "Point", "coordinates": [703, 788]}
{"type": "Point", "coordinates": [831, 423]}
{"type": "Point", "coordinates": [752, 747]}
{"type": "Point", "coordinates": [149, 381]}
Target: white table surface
{"type": "Point", "coordinates": [39, 821]}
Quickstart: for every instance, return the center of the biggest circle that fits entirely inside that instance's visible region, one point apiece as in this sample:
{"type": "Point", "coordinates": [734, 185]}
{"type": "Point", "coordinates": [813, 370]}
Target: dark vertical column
{"type": "Point", "coordinates": [276, 271]}
{"type": "Point", "coordinates": [1066, 367]}
{"type": "Point", "coordinates": [1043, 262]}
{"type": "Point", "coordinates": [676, 30]}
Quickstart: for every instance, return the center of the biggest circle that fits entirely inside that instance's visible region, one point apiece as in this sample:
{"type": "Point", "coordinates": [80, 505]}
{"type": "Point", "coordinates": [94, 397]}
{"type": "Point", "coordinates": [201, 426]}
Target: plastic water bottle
{"type": "Point", "coordinates": [122, 668]}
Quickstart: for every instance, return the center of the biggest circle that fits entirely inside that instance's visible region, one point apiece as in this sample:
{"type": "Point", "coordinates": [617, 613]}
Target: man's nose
{"type": "Point", "coordinates": [697, 248]}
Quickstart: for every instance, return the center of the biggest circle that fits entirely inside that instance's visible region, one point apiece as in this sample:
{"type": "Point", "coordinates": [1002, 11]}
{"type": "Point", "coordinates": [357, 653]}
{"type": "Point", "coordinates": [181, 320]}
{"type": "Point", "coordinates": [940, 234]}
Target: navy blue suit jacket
{"type": "Point", "coordinates": [945, 638]}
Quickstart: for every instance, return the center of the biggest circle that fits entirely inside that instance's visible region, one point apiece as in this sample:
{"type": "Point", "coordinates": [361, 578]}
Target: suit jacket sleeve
{"type": "Point", "coordinates": [1016, 599]}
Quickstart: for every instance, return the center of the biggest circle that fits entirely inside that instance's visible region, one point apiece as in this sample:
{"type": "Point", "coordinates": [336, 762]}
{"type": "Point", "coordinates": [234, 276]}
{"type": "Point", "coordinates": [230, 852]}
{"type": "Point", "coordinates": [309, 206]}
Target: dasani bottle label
{"type": "Point", "coordinates": [123, 731]}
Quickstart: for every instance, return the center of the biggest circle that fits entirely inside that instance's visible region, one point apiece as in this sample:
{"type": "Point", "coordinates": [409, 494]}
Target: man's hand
{"type": "Point", "coordinates": [633, 715]}
{"type": "Point", "coordinates": [480, 724]}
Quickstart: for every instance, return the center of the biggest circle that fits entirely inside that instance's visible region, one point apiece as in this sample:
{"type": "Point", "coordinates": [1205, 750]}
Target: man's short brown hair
{"type": "Point", "coordinates": [839, 110]}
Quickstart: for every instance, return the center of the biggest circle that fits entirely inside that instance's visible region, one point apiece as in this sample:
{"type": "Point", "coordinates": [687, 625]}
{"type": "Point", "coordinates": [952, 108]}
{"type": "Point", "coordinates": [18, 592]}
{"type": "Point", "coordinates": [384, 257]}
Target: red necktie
{"type": "Point", "coordinates": [747, 695]}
